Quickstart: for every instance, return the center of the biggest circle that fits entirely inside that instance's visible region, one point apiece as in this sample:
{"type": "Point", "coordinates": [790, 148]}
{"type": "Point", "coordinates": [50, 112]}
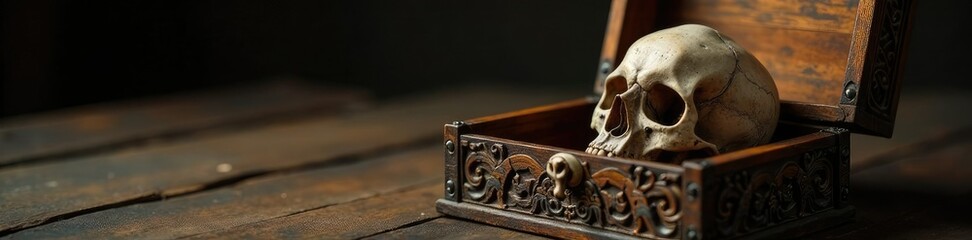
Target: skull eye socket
{"type": "Point", "coordinates": [613, 86]}
{"type": "Point", "coordinates": [663, 105]}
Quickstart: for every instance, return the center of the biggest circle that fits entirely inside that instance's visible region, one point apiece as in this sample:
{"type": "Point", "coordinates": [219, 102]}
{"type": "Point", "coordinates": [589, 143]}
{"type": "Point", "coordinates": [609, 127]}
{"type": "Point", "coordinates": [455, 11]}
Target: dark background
{"type": "Point", "coordinates": [64, 53]}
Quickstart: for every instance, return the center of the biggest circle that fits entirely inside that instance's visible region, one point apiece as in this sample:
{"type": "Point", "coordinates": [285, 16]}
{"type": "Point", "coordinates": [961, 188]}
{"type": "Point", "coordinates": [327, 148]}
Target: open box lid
{"type": "Point", "coordinates": [835, 63]}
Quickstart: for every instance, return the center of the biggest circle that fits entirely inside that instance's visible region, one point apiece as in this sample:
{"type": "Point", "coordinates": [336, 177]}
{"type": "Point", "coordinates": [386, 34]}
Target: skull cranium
{"type": "Point", "coordinates": [684, 92]}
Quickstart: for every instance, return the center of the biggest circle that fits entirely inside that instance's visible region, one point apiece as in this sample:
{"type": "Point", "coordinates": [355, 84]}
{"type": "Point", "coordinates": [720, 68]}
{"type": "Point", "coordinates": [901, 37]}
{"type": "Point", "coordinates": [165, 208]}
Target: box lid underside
{"type": "Point", "coordinates": [836, 63]}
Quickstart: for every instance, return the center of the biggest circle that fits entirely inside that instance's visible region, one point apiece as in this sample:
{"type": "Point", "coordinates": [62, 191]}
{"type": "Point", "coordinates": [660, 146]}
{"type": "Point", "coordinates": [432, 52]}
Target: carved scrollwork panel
{"type": "Point", "coordinates": [638, 201]}
{"type": "Point", "coordinates": [481, 178]}
{"type": "Point", "coordinates": [754, 199]}
{"type": "Point", "coordinates": [882, 73]}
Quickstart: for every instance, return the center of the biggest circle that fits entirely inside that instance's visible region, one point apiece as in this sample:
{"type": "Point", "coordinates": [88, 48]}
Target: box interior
{"type": "Point", "coordinates": [835, 63]}
{"type": "Point", "coordinates": [805, 47]}
{"type": "Point", "coordinates": [569, 127]}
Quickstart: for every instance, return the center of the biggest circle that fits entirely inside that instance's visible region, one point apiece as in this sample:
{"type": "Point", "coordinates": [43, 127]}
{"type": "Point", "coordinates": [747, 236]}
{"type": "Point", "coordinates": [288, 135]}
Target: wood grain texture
{"type": "Point", "coordinates": [916, 196]}
{"type": "Point", "coordinates": [927, 119]}
{"type": "Point", "coordinates": [36, 194]}
{"type": "Point", "coordinates": [806, 66]}
{"type": "Point", "coordinates": [818, 16]}
{"type": "Point", "coordinates": [561, 125]}
{"type": "Point", "coordinates": [450, 228]}
{"type": "Point", "coordinates": [275, 197]}
{"type": "Point", "coordinates": [105, 126]}
{"type": "Point", "coordinates": [350, 220]}
{"type": "Point", "coordinates": [628, 21]}
{"type": "Point", "coordinates": [876, 63]}
{"type": "Point", "coordinates": [815, 50]}
{"type": "Point", "coordinates": [803, 44]}
{"type": "Point", "coordinates": [943, 168]}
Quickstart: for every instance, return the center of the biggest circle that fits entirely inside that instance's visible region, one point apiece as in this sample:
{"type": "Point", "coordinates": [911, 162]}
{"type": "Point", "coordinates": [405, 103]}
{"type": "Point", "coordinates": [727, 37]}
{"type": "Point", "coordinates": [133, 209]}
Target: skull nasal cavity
{"type": "Point", "coordinates": [559, 166]}
{"type": "Point", "coordinates": [663, 105]}
{"type": "Point", "coordinates": [617, 120]}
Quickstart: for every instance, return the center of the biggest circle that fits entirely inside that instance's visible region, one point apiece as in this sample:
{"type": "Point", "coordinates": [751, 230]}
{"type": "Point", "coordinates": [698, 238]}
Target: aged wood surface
{"type": "Point", "coordinates": [293, 180]}
{"type": "Point", "coordinates": [628, 21]}
{"type": "Point", "coordinates": [833, 61]}
{"type": "Point", "coordinates": [448, 228]}
{"type": "Point", "coordinates": [806, 66]}
{"type": "Point", "coordinates": [818, 16]}
{"type": "Point", "coordinates": [106, 126]}
{"type": "Point", "coordinates": [153, 169]}
{"type": "Point", "coordinates": [358, 219]}
{"type": "Point", "coordinates": [36, 194]}
{"type": "Point", "coordinates": [803, 44]}
{"type": "Point", "coordinates": [913, 196]}
{"type": "Point", "coordinates": [272, 198]}
{"type": "Point", "coordinates": [876, 64]}
{"type": "Point", "coordinates": [931, 116]}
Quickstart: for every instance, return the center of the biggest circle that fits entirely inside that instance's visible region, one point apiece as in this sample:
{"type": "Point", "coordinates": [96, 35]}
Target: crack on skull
{"type": "Point", "coordinates": [750, 80]}
{"type": "Point", "coordinates": [738, 69]}
{"type": "Point", "coordinates": [730, 127]}
{"type": "Point", "coordinates": [762, 128]}
{"type": "Point", "coordinates": [752, 119]}
{"type": "Point", "coordinates": [732, 76]}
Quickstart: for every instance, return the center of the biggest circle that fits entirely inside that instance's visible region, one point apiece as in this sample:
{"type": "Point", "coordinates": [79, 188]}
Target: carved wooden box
{"type": "Point", "coordinates": [837, 66]}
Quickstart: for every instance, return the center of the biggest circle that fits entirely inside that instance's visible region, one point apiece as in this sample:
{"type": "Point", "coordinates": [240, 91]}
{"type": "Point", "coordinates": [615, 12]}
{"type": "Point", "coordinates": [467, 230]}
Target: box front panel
{"type": "Point", "coordinates": [621, 196]}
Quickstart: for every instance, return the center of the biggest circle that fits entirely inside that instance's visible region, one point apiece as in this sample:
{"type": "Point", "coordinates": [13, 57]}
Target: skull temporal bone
{"type": "Point", "coordinates": [684, 92]}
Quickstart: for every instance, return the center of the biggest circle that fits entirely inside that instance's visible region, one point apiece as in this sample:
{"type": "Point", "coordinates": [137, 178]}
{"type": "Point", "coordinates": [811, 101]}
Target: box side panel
{"type": "Point", "coordinates": [767, 189]}
{"type": "Point", "coordinates": [565, 124]}
{"type": "Point", "coordinates": [843, 178]}
{"type": "Point", "coordinates": [628, 21]}
{"type": "Point", "coordinates": [452, 153]}
{"type": "Point", "coordinates": [873, 79]}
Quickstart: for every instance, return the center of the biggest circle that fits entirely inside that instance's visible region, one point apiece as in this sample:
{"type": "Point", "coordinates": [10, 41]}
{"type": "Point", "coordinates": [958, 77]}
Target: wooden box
{"type": "Point", "coordinates": [837, 65]}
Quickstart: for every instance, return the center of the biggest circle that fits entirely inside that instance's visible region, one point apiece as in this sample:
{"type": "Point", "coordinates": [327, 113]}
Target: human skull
{"type": "Point", "coordinates": [684, 92]}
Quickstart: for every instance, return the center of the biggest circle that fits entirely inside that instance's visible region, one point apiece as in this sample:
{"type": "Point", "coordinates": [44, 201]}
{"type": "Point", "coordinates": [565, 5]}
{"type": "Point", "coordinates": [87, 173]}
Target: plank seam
{"type": "Point", "coordinates": [915, 149]}
{"type": "Point", "coordinates": [424, 183]}
{"type": "Point", "coordinates": [407, 225]}
{"type": "Point", "coordinates": [175, 136]}
{"type": "Point", "coordinates": [347, 159]}
{"type": "Point", "coordinates": [42, 222]}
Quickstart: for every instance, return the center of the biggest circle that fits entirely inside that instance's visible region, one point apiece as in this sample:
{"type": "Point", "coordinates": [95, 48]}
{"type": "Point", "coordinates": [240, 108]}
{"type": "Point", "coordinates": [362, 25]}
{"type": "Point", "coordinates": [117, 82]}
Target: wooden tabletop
{"type": "Point", "coordinates": [293, 160]}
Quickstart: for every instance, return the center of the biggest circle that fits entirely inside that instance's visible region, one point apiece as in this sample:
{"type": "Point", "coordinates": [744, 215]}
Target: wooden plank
{"type": "Point", "coordinates": [346, 221]}
{"type": "Point", "coordinates": [942, 169]}
{"type": "Point", "coordinates": [806, 66]}
{"type": "Point", "coordinates": [277, 197]}
{"type": "Point", "coordinates": [36, 194]}
{"type": "Point", "coordinates": [917, 196]}
{"type": "Point", "coordinates": [819, 16]}
{"type": "Point", "coordinates": [450, 228]}
{"type": "Point", "coordinates": [922, 148]}
{"type": "Point", "coordinates": [105, 126]}
{"type": "Point", "coordinates": [627, 22]}
{"type": "Point", "coordinates": [803, 44]}
{"type": "Point", "coordinates": [925, 116]}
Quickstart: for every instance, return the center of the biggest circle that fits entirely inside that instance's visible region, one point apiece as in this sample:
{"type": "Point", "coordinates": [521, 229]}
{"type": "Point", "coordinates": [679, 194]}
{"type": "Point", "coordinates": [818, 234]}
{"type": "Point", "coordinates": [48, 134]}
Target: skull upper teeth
{"type": "Point", "coordinates": [605, 151]}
